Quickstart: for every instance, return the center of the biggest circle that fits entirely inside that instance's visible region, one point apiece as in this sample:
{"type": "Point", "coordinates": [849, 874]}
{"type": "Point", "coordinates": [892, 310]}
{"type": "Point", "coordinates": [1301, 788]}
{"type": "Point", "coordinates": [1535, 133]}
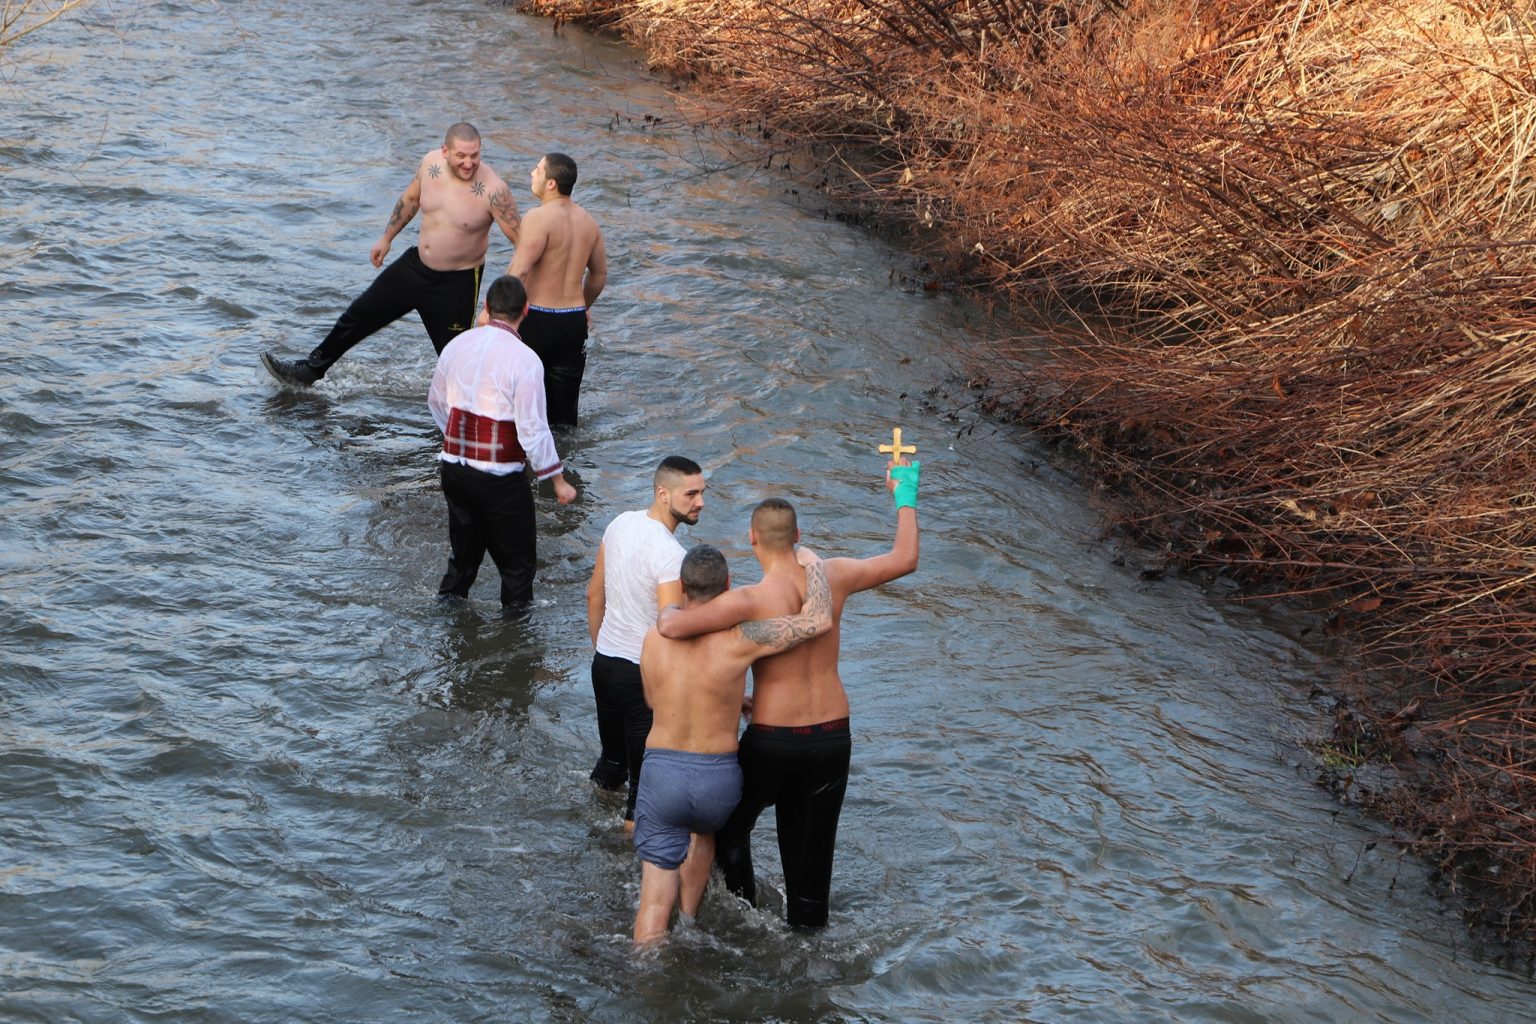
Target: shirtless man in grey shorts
{"type": "Point", "coordinates": [691, 780]}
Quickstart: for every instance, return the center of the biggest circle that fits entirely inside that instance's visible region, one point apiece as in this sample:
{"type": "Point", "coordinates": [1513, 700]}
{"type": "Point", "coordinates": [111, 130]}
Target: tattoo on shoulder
{"type": "Point", "coordinates": [788, 630]}
{"type": "Point", "coordinates": [479, 187]}
{"type": "Point", "coordinates": [434, 170]}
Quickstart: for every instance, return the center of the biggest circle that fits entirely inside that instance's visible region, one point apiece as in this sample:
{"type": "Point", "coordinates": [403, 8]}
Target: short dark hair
{"type": "Point", "coordinates": [506, 297]}
{"type": "Point", "coordinates": [676, 466]}
{"type": "Point", "coordinates": [561, 170]}
{"type": "Point", "coordinates": [704, 573]}
{"type": "Point", "coordinates": [463, 130]}
{"type": "Point", "coordinates": [775, 522]}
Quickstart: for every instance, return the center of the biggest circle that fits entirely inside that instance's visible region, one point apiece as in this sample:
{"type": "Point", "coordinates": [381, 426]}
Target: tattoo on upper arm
{"type": "Point", "coordinates": [502, 206]}
{"type": "Point", "coordinates": [398, 214]}
{"type": "Point", "coordinates": [788, 630]}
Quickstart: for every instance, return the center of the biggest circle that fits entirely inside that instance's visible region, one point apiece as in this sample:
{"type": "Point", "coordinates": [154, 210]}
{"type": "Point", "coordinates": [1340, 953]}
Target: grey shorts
{"type": "Point", "coordinates": [681, 792]}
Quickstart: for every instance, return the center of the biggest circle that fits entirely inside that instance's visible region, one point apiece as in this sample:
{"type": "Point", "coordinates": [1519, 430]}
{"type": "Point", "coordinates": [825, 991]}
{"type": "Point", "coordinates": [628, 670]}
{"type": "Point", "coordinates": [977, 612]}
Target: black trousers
{"type": "Point", "coordinates": [623, 722]}
{"type": "Point", "coordinates": [803, 773]}
{"type": "Point", "coordinates": [560, 342]}
{"type": "Point", "coordinates": [445, 300]}
{"type": "Point", "coordinates": [489, 513]}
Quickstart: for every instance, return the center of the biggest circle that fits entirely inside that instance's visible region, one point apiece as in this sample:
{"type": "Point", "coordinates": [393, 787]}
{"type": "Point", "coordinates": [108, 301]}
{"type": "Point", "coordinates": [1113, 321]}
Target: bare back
{"type": "Point", "coordinates": [559, 244]}
{"type": "Point", "coordinates": [694, 688]}
{"type": "Point", "coordinates": [456, 214]}
{"type": "Point", "coordinates": [802, 686]}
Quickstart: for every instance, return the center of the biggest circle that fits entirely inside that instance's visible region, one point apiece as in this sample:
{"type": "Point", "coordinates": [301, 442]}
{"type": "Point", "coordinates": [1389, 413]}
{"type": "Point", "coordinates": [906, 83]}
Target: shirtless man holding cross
{"type": "Point", "coordinates": [691, 780]}
{"type": "Point", "coordinates": [796, 751]}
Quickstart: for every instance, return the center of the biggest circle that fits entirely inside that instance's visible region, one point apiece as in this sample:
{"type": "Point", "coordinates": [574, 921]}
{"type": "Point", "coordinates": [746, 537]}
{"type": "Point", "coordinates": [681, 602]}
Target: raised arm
{"type": "Point", "coordinates": [405, 208]}
{"type": "Point", "coordinates": [856, 574]}
{"type": "Point", "coordinates": [769, 636]}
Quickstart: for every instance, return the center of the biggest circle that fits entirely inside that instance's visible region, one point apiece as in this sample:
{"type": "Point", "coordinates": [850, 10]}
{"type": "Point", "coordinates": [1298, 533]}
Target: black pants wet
{"type": "Point", "coordinates": [489, 513]}
{"type": "Point", "coordinates": [444, 299]}
{"type": "Point", "coordinates": [803, 773]}
{"type": "Point", "coordinates": [559, 339]}
{"type": "Point", "coordinates": [623, 722]}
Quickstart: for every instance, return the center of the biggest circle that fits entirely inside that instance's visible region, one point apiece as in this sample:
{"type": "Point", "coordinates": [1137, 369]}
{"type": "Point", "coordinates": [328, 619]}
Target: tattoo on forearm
{"type": "Point", "coordinates": [788, 630]}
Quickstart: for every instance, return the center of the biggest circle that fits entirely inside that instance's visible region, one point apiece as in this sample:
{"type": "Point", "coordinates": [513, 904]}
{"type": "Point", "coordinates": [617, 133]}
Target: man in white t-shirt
{"type": "Point", "coordinates": [636, 575]}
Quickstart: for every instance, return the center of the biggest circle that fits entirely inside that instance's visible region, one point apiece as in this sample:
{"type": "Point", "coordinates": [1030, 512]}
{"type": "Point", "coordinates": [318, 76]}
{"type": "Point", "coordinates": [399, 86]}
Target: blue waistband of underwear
{"type": "Point", "coordinates": [546, 309]}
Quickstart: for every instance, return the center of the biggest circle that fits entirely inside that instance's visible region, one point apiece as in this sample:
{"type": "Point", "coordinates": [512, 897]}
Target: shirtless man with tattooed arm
{"type": "Point", "coordinates": [459, 198]}
{"type": "Point", "coordinates": [691, 780]}
{"type": "Point", "coordinates": [796, 752]}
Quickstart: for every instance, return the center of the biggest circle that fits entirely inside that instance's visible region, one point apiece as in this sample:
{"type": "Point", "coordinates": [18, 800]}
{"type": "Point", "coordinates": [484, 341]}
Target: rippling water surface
{"type": "Point", "coordinates": [252, 770]}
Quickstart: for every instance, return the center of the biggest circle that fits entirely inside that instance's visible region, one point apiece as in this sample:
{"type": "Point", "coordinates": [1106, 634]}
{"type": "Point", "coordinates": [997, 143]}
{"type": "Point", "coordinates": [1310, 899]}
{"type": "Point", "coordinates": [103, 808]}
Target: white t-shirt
{"type": "Point", "coordinates": [639, 555]}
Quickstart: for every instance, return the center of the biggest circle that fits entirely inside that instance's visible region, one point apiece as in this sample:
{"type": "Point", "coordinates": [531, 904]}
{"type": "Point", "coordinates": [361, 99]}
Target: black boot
{"type": "Point", "coordinates": [298, 372]}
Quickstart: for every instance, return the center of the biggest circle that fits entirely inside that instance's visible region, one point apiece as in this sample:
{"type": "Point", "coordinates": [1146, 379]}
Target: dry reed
{"type": "Point", "coordinates": [1288, 252]}
{"type": "Point", "coordinates": [20, 18]}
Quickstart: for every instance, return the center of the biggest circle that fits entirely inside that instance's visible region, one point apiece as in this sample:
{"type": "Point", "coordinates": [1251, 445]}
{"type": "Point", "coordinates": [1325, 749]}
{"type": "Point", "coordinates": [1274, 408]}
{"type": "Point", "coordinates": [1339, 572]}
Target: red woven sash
{"type": "Point", "coordinates": [482, 438]}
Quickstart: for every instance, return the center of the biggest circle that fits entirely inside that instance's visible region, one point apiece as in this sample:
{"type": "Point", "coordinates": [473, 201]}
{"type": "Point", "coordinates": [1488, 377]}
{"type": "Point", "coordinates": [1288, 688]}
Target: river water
{"type": "Point", "coordinates": [252, 770]}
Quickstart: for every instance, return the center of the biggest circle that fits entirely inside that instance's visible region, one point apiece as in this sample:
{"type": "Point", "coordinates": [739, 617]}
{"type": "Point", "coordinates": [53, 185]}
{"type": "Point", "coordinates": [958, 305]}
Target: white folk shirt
{"type": "Point", "coordinates": [639, 555]}
{"type": "Point", "coordinates": [488, 376]}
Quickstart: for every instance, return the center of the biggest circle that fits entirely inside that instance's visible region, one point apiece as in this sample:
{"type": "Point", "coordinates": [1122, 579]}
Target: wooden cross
{"type": "Point", "coordinates": [896, 449]}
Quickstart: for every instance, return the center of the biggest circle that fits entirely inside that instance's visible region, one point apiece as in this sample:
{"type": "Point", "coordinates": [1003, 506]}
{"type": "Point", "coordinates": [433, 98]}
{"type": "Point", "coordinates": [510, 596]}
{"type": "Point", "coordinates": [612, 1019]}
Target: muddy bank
{"type": "Point", "coordinates": [1287, 250]}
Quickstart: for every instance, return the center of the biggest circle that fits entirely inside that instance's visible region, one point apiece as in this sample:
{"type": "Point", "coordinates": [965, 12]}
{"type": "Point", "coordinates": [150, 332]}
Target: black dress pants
{"type": "Point", "coordinates": [802, 772]}
{"type": "Point", "coordinates": [445, 300]}
{"type": "Point", "coordinates": [489, 513]}
{"type": "Point", "coordinates": [559, 339]}
{"type": "Point", "coordinates": [623, 722]}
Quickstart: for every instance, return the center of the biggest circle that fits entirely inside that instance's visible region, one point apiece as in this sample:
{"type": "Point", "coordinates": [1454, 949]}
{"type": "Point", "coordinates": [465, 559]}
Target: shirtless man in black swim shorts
{"type": "Point", "coordinates": [691, 779]}
{"type": "Point", "coordinates": [795, 753]}
{"type": "Point", "coordinates": [439, 277]}
{"type": "Point", "coordinates": [560, 257]}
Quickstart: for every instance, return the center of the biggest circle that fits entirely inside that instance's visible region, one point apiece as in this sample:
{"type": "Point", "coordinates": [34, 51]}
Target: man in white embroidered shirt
{"type": "Point", "coordinates": [487, 397]}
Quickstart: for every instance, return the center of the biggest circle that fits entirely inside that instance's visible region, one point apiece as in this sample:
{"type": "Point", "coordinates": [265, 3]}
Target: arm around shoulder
{"type": "Point", "coordinates": [814, 618]}
{"type": "Point", "coordinates": [729, 609]}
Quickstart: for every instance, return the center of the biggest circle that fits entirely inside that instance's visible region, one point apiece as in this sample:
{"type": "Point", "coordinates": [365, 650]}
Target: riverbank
{"type": "Point", "coordinates": [1287, 248]}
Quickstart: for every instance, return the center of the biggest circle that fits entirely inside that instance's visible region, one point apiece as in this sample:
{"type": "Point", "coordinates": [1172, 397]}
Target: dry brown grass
{"type": "Point", "coordinates": [1289, 248]}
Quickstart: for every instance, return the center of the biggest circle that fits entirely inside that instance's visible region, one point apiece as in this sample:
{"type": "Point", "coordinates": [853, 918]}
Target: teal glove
{"type": "Point", "coordinates": [906, 484]}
